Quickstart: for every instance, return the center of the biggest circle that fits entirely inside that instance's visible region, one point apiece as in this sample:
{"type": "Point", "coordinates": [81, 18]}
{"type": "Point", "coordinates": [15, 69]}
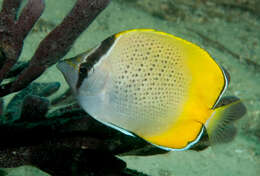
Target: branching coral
{"type": "Point", "coordinates": [56, 44]}
{"type": "Point", "coordinates": [13, 31]}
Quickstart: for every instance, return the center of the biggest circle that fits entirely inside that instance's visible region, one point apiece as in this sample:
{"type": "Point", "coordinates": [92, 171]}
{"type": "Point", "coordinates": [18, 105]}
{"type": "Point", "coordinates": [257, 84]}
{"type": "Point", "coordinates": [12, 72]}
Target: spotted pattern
{"type": "Point", "coordinates": [149, 81]}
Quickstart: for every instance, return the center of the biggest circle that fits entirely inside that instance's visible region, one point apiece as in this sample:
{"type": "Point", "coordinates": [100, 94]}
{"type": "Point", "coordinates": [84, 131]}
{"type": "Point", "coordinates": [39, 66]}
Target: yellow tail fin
{"type": "Point", "coordinates": [219, 126]}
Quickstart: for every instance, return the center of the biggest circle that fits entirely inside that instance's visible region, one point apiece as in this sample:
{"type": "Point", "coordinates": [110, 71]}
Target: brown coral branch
{"type": "Point", "coordinates": [9, 9]}
{"type": "Point", "coordinates": [16, 69]}
{"type": "Point", "coordinates": [60, 40]}
{"type": "Point", "coordinates": [13, 33]}
{"type": "Point", "coordinates": [30, 14]}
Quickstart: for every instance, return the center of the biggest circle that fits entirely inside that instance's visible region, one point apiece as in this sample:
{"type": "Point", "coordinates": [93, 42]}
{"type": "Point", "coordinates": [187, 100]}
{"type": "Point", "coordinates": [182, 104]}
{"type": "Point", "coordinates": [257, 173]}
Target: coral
{"type": "Point", "coordinates": [55, 45]}
{"type": "Point", "coordinates": [13, 31]}
{"type": "Point", "coordinates": [55, 136]}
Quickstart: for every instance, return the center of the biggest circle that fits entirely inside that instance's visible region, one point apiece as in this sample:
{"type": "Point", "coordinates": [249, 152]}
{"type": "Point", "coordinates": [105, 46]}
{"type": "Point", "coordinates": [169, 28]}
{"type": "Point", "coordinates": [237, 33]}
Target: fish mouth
{"type": "Point", "coordinates": [69, 73]}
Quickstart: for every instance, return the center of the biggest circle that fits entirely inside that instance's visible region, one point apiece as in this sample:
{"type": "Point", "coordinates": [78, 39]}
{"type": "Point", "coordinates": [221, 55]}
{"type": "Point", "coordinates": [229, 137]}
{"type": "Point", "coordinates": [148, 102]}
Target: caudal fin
{"type": "Point", "coordinates": [219, 126]}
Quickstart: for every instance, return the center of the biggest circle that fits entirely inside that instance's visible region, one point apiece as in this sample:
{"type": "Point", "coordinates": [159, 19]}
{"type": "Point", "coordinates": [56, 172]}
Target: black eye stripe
{"type": "Point", "coordinates": [93, 58]}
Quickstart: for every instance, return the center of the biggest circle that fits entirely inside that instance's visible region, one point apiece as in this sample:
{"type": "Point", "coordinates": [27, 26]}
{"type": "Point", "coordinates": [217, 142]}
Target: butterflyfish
{"type": "Point", "coordinates": [154, 85]}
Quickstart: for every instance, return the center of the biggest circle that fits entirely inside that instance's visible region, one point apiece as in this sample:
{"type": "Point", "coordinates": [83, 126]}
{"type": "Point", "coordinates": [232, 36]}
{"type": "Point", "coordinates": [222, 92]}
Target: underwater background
{"type": "Point", "coordinates": [227, 29]}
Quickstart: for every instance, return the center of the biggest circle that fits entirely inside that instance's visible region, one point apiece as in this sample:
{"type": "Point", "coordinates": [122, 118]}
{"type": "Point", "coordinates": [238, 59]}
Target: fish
{"type": "Point", "coordinates": [156, 86]}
